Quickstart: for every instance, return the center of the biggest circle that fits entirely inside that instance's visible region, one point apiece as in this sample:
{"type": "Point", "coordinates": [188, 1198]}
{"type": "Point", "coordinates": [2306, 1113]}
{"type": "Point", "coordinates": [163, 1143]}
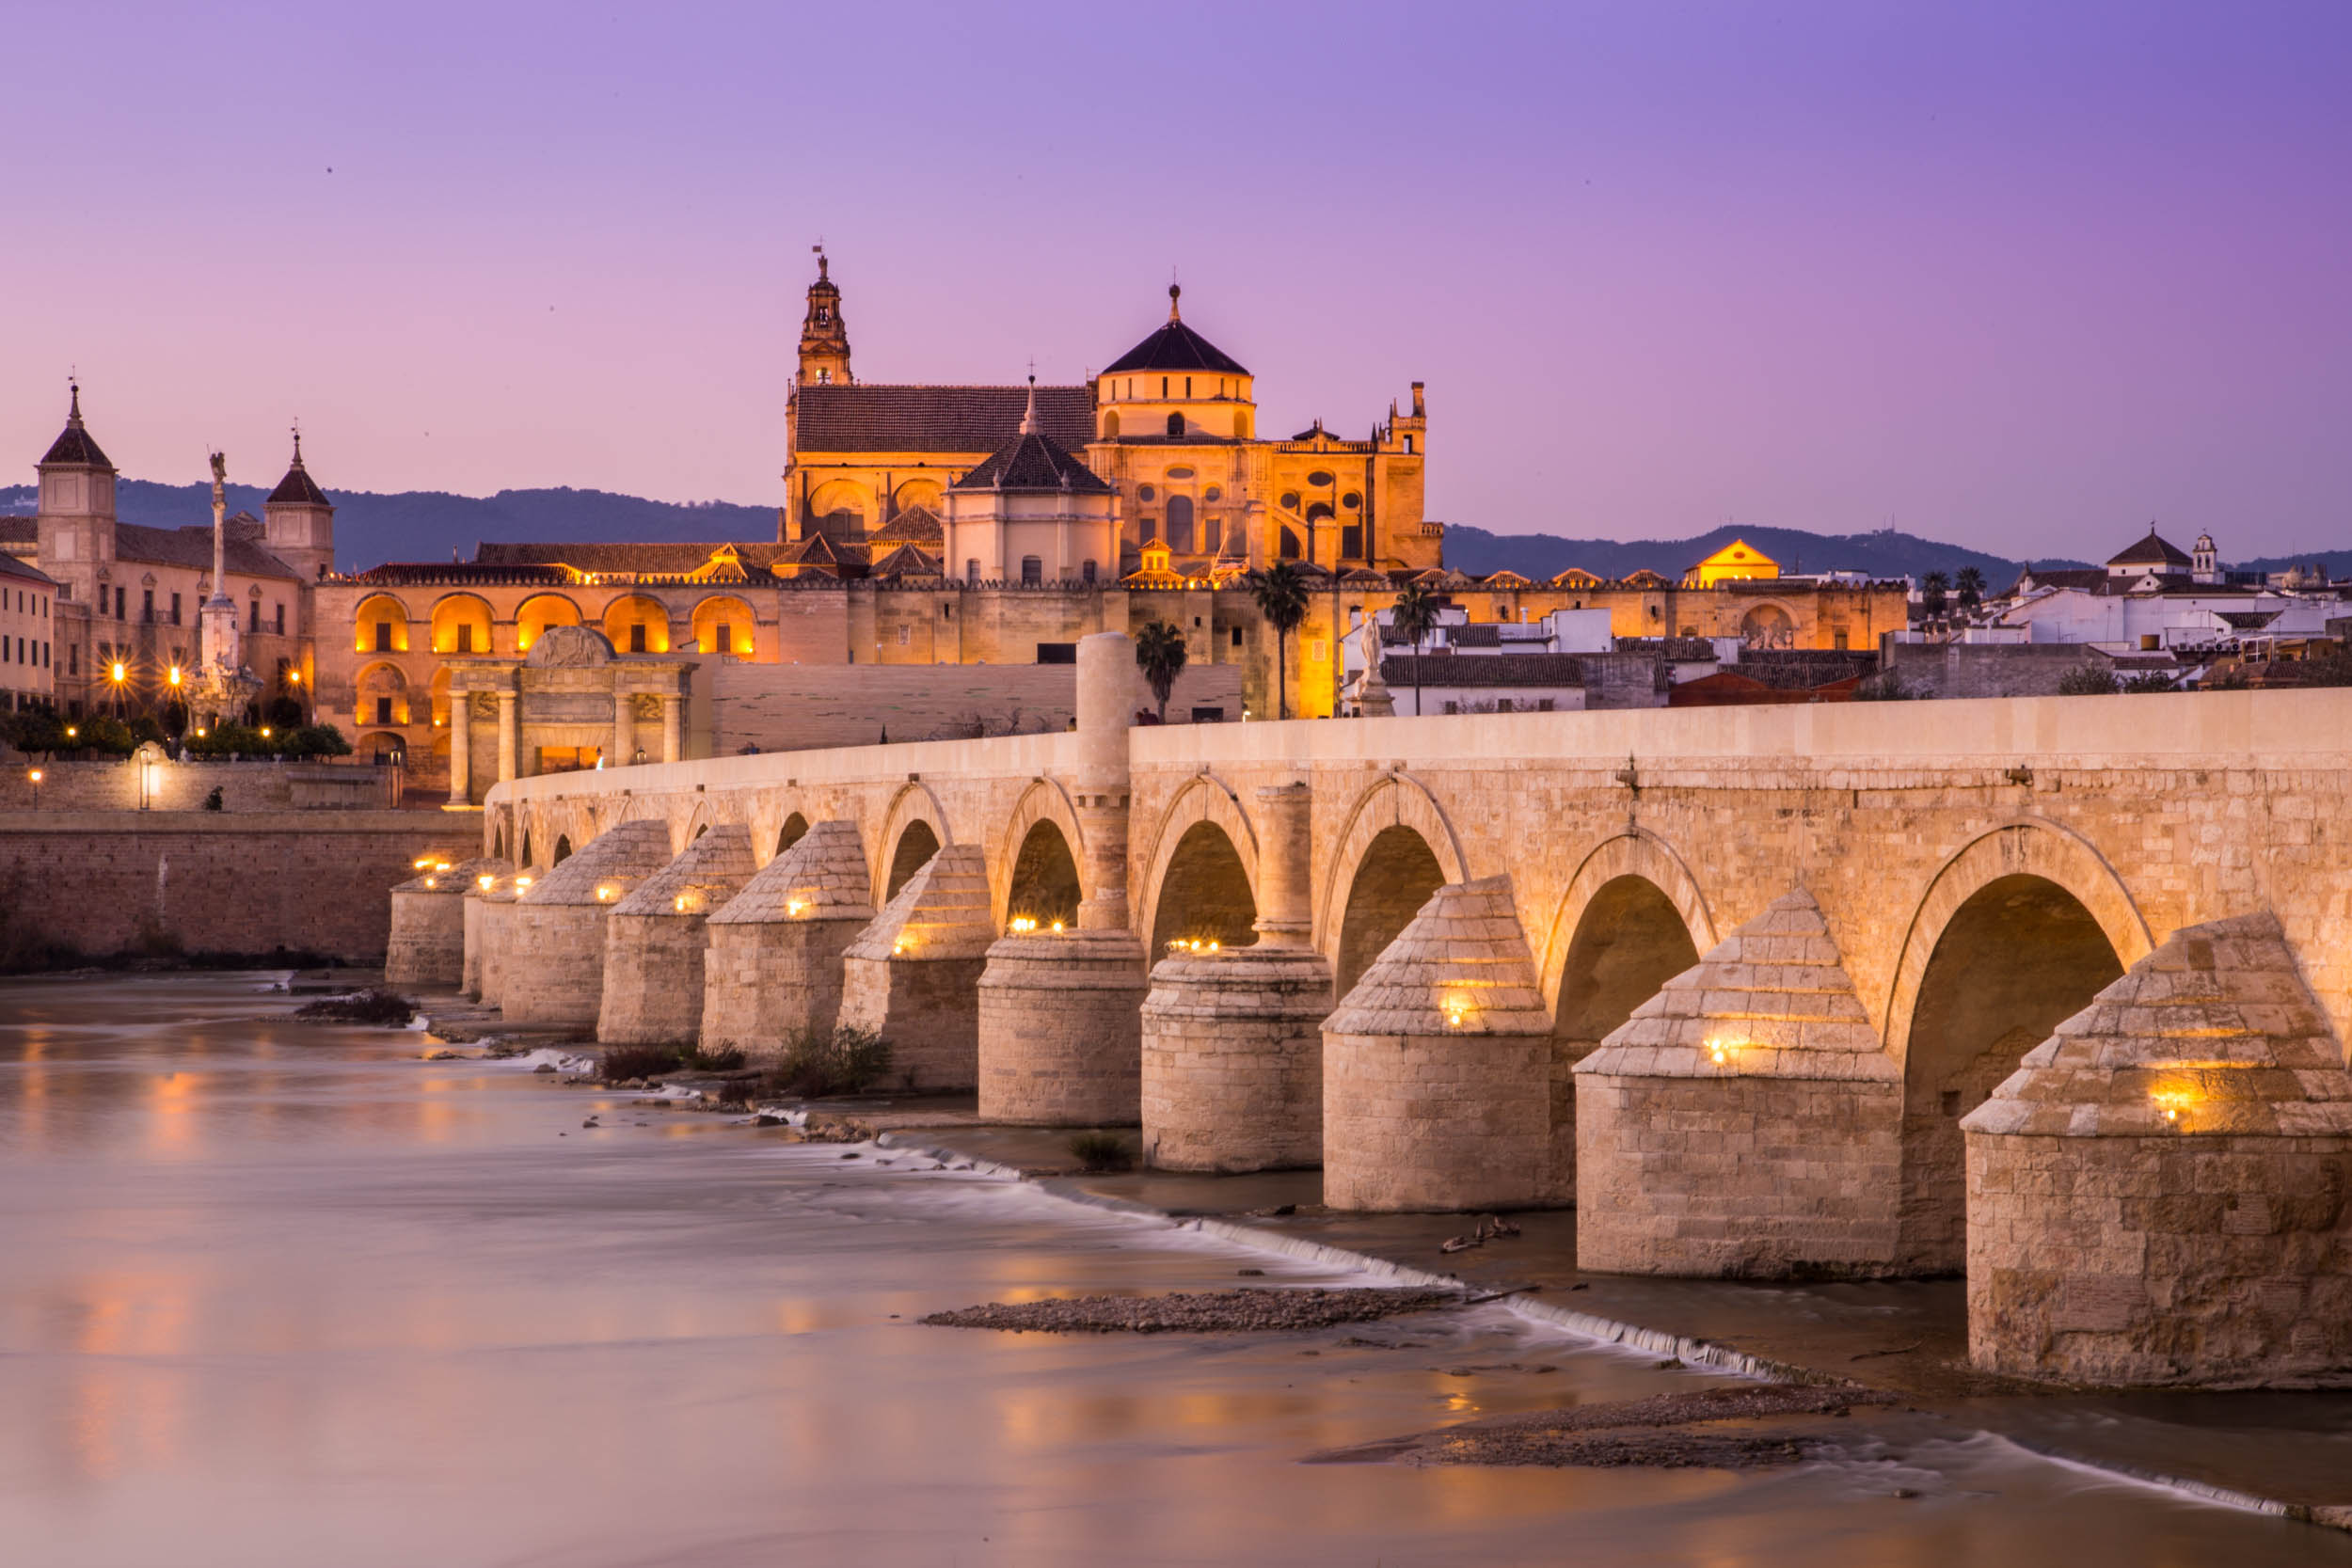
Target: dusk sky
{"type": "Point", "coordinates": [2021, 276]}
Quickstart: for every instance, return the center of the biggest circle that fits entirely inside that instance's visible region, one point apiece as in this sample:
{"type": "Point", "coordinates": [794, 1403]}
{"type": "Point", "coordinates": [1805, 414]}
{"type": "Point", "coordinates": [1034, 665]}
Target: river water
{"type": "Point", "coordinates": [276, 1293]}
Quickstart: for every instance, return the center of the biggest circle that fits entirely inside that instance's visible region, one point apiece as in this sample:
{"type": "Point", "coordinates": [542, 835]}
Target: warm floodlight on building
{"type": "Point", "coordinates": [605, 893]}
{"type": "Point", "coordinates": [521, 882]}
{"type": "Point", "coordinates": [1057, 927]}
{"type": "Point", "coordinates": [119, 672]}
{"type": "Point", "coordinates": [1024, 923]}
{"type": "Point", "coordinates": [793, 907]}
{"type": "Point", "coordinates": [487, 880]}
{"type": "Point", "coordinates": [1718, 1052]}
{"type": "Point", "coordinates": [175, 674]}
{"type": "Point", "coordinates": [1458, 1012]}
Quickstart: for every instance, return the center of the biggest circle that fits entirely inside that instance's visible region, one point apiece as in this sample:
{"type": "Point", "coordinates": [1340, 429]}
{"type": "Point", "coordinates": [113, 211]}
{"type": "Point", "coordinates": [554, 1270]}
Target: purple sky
{"type": "Point", "coordinates": [2023, 276]}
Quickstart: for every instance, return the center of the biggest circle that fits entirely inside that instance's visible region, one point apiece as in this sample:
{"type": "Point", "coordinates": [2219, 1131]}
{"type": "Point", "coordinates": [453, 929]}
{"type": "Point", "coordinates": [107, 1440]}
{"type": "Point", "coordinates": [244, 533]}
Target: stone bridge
{"type": "Point", "coordinates": [1729, 979]}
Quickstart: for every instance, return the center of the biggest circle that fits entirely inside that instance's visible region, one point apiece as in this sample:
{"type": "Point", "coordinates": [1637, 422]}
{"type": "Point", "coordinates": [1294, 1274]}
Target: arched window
{"type": "Point", "coordinates": [1180, 524]}
{"type": "Point", "coordinates": [1032, 571]}
{"type": "Point", "coordinates": [1175, 424]}
{"type": "Point", "coordinates": [1110, 425]}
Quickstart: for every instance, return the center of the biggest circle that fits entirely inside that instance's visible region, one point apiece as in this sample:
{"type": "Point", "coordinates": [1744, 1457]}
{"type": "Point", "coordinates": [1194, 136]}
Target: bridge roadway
{"type": "Point", "coordinates": [1387, 944]}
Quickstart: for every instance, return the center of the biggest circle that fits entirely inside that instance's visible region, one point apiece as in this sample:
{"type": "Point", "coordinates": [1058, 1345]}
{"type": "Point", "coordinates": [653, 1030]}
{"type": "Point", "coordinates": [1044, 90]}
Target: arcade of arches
{"type": "Point", "coordinates": [1969, 891]}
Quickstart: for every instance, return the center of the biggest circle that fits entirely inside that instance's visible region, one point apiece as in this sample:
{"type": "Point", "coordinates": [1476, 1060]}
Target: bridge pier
{"type": "Point", "coordinates": [655, 941]}
{"type": "Point", "coordinates": [1232, 1041]}
{"type": "Point", "coordinates": [1060, 1012]}
{"type": "Point", "coordinates": [559, 922]}
{"type": "Point", "coordinates": [1744, 1124]}
{"type": "Point", "coordinates": [488, 908]}
{"type": "Point", "coordinates": [429, 920]}
{"type": "Point", "coordinates": [1436, 1066]}
{"type": "Point", "coordinates": [913, 977]}
{"type": "Point", "coordinates": [2159, 1194]}
{"type": "Point", "coordinates": [772, 974]}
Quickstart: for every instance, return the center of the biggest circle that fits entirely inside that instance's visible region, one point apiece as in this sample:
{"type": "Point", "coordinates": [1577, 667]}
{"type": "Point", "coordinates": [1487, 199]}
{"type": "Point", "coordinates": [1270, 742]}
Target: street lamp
{"type": "Point", "coordinates": [119, 670]}
{"type": "Point", "coordinates": [36, 778]}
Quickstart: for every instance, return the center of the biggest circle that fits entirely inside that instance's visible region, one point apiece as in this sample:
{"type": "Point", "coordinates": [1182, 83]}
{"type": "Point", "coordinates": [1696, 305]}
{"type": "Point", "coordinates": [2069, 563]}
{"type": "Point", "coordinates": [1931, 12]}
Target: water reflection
{"type": "Point", "coordinates": [277, 1294]}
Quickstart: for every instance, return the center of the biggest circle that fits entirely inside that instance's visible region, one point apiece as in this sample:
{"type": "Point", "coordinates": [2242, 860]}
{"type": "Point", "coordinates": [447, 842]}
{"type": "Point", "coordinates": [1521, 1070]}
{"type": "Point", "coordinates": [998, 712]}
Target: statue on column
{"type": "Point", "coordinates": [224, 687]}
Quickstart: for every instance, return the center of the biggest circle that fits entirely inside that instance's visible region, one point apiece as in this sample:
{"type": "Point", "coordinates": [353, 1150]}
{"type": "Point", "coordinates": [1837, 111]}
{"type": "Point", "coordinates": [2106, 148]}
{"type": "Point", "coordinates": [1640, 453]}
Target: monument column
{"type": "Point", "coordinates": [460, 747]}
{"type": "Point", "coordinates": [671, 719]}
{"type": "Point", "coordinates": [506, 735]}
{"type": "Point", "coordinates": [623, 729]}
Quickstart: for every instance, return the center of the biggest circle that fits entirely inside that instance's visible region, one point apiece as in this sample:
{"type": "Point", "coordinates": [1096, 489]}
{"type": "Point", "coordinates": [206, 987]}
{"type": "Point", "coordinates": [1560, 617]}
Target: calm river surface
{"type": "Point", "coordinates": [275, 1294]}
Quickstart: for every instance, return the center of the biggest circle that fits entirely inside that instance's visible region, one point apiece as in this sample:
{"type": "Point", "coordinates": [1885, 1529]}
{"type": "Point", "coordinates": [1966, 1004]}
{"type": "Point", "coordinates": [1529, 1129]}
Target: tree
{"type": "Point", "coordinates": [1931, 589]}
{"type": "Point", "coordinates": [1415, 616]}
{"type": "Point", "coordinates": [1281, 592]}
{"type": "Point", "coordinates": [1971, 584]}
{"type": "Point", "coordinates": [1160, 655]}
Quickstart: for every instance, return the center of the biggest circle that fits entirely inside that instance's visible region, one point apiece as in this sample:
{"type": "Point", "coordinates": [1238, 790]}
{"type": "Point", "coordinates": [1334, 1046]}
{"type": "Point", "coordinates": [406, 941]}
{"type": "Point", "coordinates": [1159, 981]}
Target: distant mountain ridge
{"type": "Point", "coordinates": [371, 528]}
{"type": "Point", "coordinates": [427, 525]}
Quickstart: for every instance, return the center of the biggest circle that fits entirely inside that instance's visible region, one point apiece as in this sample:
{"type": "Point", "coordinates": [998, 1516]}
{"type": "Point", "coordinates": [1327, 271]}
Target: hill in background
{"type": "Point", "coordinates": [428, 525]}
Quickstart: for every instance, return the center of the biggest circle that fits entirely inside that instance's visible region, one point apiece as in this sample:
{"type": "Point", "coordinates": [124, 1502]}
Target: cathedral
{"type": "Point", "coordinates": [1168, 432]}
{"type": "Point", "coordinates": [920, 525]}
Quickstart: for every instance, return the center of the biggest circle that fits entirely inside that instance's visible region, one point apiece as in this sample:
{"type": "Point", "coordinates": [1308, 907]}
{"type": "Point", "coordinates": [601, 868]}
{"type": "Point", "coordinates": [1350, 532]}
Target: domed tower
{"type": "Point", "coordinates": [1032, 514]}
{"type": "Point", "coordinates": [1175, 386]}
{"type": "Point", "coordinates": [75, 525]}
{"type": "Point", "coordinates": [298, 522]}
{"type": "Point", "coordinates": [824, 338]}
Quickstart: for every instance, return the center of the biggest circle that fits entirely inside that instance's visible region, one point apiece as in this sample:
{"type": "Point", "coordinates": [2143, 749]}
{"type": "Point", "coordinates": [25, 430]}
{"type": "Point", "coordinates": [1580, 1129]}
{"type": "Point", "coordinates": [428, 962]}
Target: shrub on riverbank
{"type": "Point", "coordinates": [625, 1062]}
{"type": "Point", "coordinates": [818, 1063]}
{"type": "Point", "coordinates": [387, 1007]}
{"type": "Point", "coordinates": [1101, 1152]}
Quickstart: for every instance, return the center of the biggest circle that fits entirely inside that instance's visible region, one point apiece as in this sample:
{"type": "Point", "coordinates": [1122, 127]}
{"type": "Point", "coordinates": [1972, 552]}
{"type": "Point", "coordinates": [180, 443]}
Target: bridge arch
{"type": "Point", "coordinates": [1633, 918]}
{"type": "Point", "coordinates": [1395, 849]}
{"type": "Point", "coordinates": [1201, 877]}
{"type": "Point", "coordinates": [1040, 855]}
{"type": "Point", "coordinates": [2016, 933]}
{"type": "Point", "coordinates": [914, 828]}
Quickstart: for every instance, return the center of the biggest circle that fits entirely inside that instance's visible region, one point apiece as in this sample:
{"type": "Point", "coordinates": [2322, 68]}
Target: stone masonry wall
{"type": "Point", "coordinates": [802, 707]}
{"type": "Point", "coordinates": [1735, 1177]}
{"type": "Point", "coordinates": [104, 882]}
{"type": "Point", "coordinates": [69, 786]}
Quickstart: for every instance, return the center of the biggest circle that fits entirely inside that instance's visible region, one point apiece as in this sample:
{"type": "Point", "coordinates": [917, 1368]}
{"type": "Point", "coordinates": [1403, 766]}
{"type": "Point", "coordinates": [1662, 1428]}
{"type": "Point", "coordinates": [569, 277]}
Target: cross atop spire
{"type": "Point", "coordinates": [1028, 420]}
{"type": "Point", "coordinates": [1175, 291]}
{"type": "Point", "coordinates": [74, 403]}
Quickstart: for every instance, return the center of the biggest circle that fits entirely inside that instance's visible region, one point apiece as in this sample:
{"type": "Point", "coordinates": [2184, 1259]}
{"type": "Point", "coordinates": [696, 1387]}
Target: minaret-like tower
{"type": "Point", "coordinates": [298, 522]}
{"type": "Point", "coordinates": [75, 525]}
{"type": "Point", "coordinates": [824, 339]}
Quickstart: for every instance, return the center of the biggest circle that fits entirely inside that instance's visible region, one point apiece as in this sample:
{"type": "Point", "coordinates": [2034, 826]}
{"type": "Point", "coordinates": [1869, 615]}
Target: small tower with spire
{"type": "Point", "coordinates": [75, 524]}
{"type": "Point", "coordinates": [298, 521]}
{"type": "Point", "coordinates": [824, 338]}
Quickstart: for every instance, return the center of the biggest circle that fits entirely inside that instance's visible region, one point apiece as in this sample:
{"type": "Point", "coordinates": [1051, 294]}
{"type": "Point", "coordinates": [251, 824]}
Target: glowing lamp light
{"type": "Point", "coordinates": [429, 882]}
{"type": "Point", "coordinates": [1024, 923]}
{"type": "Point", "coordinates": [793, 907]}
{"type": "Point", "coordinates": [175, 680]}
{"type": "Point", "coordinates": [1458, 1012]}
{"type": "Point", "coordinates": [2174, 1106]}
{"type": "Point", "coordinates": [487, 880]}
{"type": "Point", "coordinates": [1719, 1052]}
{"type": "Point", "coordinates": [605, 893]}
{"type": "Point", "coordinates": [37, 775]}
{"type": "Point", "coordinates": [293, 678]}
{"type": "Point", "coordinates": [264, 732]}
{"type": "Point", "coordinates": [1057, 925]}
{"type": "Point", "coordinates": [73, 729]}
{"type": "Point", "coordinates": [521, 882]}
{"type": "Point", "coordinates": [199, 732]}
{"type": "Point", "coordinates": [119, 672]}
{"type": "Point", "coordinates": [420, 865]}
{"type": "Point", "coordinates": [441, 866]}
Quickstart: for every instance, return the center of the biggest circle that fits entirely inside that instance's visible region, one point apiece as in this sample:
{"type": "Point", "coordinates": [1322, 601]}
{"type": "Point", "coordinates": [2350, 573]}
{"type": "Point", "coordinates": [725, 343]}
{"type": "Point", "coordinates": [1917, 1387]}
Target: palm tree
{"type": "Point", "coordinates": [1160, 655]}
{"type": "Point", "coordinates": [1415, 615]}
{"type": "Point", "coordinates": [1971, 584]}
{"type": "Point", "coordinates": [1281, 592]}
{"type": "Point", "coordinates": [1932, 594]}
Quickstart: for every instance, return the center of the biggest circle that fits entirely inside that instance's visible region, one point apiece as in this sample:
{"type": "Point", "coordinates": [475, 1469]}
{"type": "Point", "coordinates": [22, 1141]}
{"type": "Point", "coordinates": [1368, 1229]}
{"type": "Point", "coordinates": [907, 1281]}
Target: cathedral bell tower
{"type": "Point", "coordinates": [75, 528]}
{"type": "Point", "coordinates": [298, 521]}
{"type": "Point", "coordinates": [825, 340]}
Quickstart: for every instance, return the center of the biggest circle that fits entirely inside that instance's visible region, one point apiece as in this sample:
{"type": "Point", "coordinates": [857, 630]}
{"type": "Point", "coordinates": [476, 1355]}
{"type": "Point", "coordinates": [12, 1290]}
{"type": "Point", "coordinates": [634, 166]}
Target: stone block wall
{"type": "Point", "coordinates": [1735, 1177]}
{"type": "Point", "coordinates": [552, 968]}
{"type": "Point", "coordinates": [103, 882]}
{"type": "Point", "coordinates": [766, 982]}
{"type": "Point", "coordinates": [1232, 1061]}
{"type": "Point", "coordinates": [652, 979]}
{"type": "Point", "coordinates": [428, 939]}
{"type": "Point", "coordinates": [1060, 1030]}
{"type": "Point", "coordinates": [926, 1008]}
{"type": "Point", "coordinates": [1434, 1121]}
{"type": "Point", "coordinates": [796, 709]}
{"type": "Point", "coordinates": [2165, 1260]}
{"type": "Point", "coordinates": [244, 786]}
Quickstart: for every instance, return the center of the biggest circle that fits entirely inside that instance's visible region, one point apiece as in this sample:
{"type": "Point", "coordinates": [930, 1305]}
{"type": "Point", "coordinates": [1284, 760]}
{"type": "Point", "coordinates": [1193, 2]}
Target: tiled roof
{"type": "Point", "coordinates": [1801, 669]}
{"type": "Point", "coordinates": [907, 561]}
{"type": "Point", "coordinates": [1444, 672]}
{"type": "Point", "coordinates": [2090, 578]}
{"type": "Point", "coordinates": [914, 525]}
{"type": "Point", "coordinates": [1032, 461]}
{"type": "Point", "coordinates": [1176, 347]}
{"type": "Point", "coordinates": [73, 444]}
{"type": "Point", "coordinates": [607, 867]}
{"type": "Point", "coordinates": [192, 548]}
{"type": "Point", "coordinates": [656, 558]}
{"type": "Point", "coordinates": [1465, 943]}
{"type": "Point", "coordinates": [23, 571]}
{"type": "Point", "coordinates": [712, 870]}
{"type": "Point", "coordinates": [297, 488]}
{"type": "Point", "coordinates": [2151, 551]}
{"type": "Point", "coordinates": [822, 877]}
{"type": "Point", "coordinates": [19, 529]}
{"type": "Point", "coordinates": [933, 418]}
